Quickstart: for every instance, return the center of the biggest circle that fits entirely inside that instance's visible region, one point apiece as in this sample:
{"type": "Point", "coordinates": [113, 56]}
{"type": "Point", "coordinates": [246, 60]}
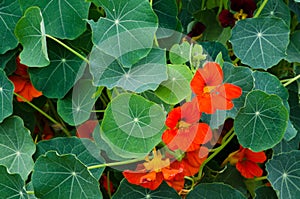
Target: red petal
{"type": "Point", "coordinates": [249, 169]}
{"type": "Point", "coordinates": [230, 91]}
{"type": "Point", "coordinates": [205, 104]}
{"type": "Point", "coordinates": [204, 134]}
{"type": "Point", "coordinates": [258, 157]}
{"type": "Point", "coordinates": [150, 180]}
{"type": "Point", "coordinates": [197, 83]}
{"type": "Point", "coordinates": [173, 118]}
{"type": "Point", "coordinates": [221, 103]}
{"type": "Point", "coordinates": [190, 112]}
{"type": "Point", "coordinates": [226, 18]}
{"type": "Point", "coordinates": [212, 74]}
{"type": "Point", "coordinates": [19, 82]}
{"type": "Point", "coordinates": [86, 129]}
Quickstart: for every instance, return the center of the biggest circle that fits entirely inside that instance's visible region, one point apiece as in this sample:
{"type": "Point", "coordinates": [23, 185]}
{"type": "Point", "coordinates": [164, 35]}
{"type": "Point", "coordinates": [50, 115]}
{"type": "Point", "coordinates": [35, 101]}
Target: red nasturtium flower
{"type": "Point", "coordinates": [184, 130]}
{"type": "Point", "coordinates": [246, 161]}
{"type": "Point", "coordinates": [22, 83]}
{"type": "Point", "coordinates": [210, 91]}
{"type": "Point", "coordinates": [154, 171]}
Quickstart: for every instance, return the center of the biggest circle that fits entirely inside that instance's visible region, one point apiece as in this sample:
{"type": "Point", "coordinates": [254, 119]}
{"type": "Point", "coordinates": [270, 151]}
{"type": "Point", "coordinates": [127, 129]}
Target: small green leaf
{"type": "Point", "coordinates": [213, 48]}
{"type": "Point", "coordinates": [11, 185]}
{"type": "Point", "coordinates": [10, 13]}
{"type": "Point", "coordinates": [146, 74]}
{"type": "Point", "coordinates": [261, 124]}
{"type": "Point", "coordinates": [293, 50]}
{"type": "Point", "coordinates": [30, 31]}
{"type": "Point", "coordinates": [284, 174]}
{"type": "Point", "coordinates": [64, 19]}
{"type": "Point", "coordinates": [63, 176]}
{"type": "Point", "coordinates": [84, 149]}
{"type": "Point", "coordinates": [59, 77]}
{"type": "Point", "coordinates": [76, 107]}
{"type": "Point", "coordinates": [127, 191]}
{"type": "Point", "coordinates": [7, 57]}
{"type": "Point", "coordinates": [214, 191]}
{"type": "Point", "coordinates": [132, 124]}
{"type": "Point", "coordinates": [266, 40]}
{"type": "Point", "coordinates": [265, 192]}
{"type": "Point", "coordinates": [6, 96]}
{"type": "Point", "coordinates": [180, 53]}
{"type": "Point", "coordinates": [16, 147]}
{"type": "Point", "coordinates": [177, 87]}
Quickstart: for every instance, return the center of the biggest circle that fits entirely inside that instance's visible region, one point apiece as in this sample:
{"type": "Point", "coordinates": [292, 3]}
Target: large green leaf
{"type": "Point", "coordinates": [132, 124]}
{"type": "Point", "coordinates": [6, 96]}
{"type": "Point", "coordinates": [265, 192]}
{"type": "Point", "coordinates": [147, 74]}
{"type": "Point", "coordinates": [214, 191]}
{"type": "Point", "coordinates": [277, 8]}
{"type": "Point", "coordinates": [84, 149]}
{"type": "Point", "coordinates": [76, 107]}
{"type": "Point", "coordinates": [10, 13]}
{"type": "Point", "coordinates": [260, 42]}
{"type": "Point", "coordinates": [127, 31]}
{"type": "Point", "coordinates": [64, 19]}
{"type": "Point", "coordinates": [130, 191]}
{"type": "Point", "coordinates": [177, 86]}
{"type": "Point", "coordinates": [287, 146]}
{"type": "Point", "coordinates": [261, 124]}
{"type": "Point", "coordinates": [30, 31]}
{"type": "Point", "coordinates": [284, 174]}
{"type": "Point", "coordinates": [213, 48]}
{"type": "Point", "coordinates": [11, 185]}
{"type": "Point", "coordinates": [59, 77]}
{"type": "Point", "coordinates": [16, 147]}
{"type": "Point", "coordinates": [63, 176]}
{"type": "Point", "coordinates": [293, 50]}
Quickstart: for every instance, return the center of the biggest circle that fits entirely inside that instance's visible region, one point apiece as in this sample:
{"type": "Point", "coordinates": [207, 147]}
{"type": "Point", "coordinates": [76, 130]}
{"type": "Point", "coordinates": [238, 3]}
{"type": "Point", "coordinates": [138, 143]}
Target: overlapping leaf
{"type": "Point", "coordinates": [16, 147]}
{"type": "Point", "coordinates": [286, 146]}
{"type": "Point", "coordinates": [147, 74]}
{"type": "Point", "coordinates": [293, 50]}
{"type": "Point", "coordinates": [265, 192]}
{"type": "Point", "coordinates": [127, 190]}
{"type": "Point", "coordinates": [10, 13]}
{"type": "Point", "coordinates": [30, 31]}
{"type": "Point", "coordinates": [11, 185]}
{"type": "Point", "coordinates": [260, 42]}
{"type": "Point", "coordinates": [284, 174]}
{"type": "Point", "coordinates": [133, 125]}
{"type": "Point", "coordinates": [63, 176]}
{"type": "Point", "coordinates": [180, 53]}
{"type": "Point", "coordinates": [64, 19]}
{"type": "Point", "coordinates": [59, 77]}
{"type": "Point", "coordinates": [261, 124]}
{"type": "Point", "coordinates": [177, 86]}
{"type": "Point", "coordinates": [6, 96]}
{"type": "Point", "coordinates": [275, 8]}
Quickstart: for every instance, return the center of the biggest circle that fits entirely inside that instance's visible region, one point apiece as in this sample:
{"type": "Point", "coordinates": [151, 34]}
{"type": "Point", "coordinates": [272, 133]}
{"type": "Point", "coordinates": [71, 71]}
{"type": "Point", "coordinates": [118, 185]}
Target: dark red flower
{"type": "Point", "coordinates": [86, 129]}
{"type": "Point", "coordinates": [196, 32]}
{"type": "Point", "coordinates": [248, 6]}
{"type": "Point", "coordinates": [246, 161]}
{"type": "Point", "coordinates": [210, 91]}
{"type": "Point", "coordinates": [226, 18]}
{"type": "Point", "coordinates": [107, 184]}
{"type": "Point", "coordinates": [184, 130]}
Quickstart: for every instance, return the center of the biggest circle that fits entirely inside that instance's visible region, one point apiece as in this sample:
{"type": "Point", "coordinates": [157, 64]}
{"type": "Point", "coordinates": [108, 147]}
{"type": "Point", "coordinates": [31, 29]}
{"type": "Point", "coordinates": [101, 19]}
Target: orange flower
{"type": "Point", "coordinates": [154, 171]}
{"type": "Point", "coordinates": [185, 132]}
{"type": "Point", "coordinates": [210, 91]}
{"type": "Point", "coordinates": [246, 161]}
{"type": "Point", "coordinates": [22, 83]}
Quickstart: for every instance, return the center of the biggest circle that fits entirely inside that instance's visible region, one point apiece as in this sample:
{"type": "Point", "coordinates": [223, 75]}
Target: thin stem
{"type": "Point", "coordinates": [98, 111]}
{"type": "Point", "coordinates": [260, 178]}
{"type": "Point", "coordinates": [223, 140]}
{"type": "Point", "coordinates": [261, 7]}
{"type": "Point", "coordinates": [43, 113]}
{"type": "Point", "coordinates": [115, 163]}
{"type": "Point", "coordinates": [30, 192]}
{"type": "Point", "coordinates": [213, 155]}
{"type": "Point", "coordinates": [190, 179]}
{"type": "Point", "coordinates": [235, 61]}
{"type": "Point", "coordinates": [220, 7]}
{"type": "Point", "coordinates": [291, 81]}
{"type": "Point", "coordinates": [203, 4]}
{"type": "Point", "coordinates": [69, 48]}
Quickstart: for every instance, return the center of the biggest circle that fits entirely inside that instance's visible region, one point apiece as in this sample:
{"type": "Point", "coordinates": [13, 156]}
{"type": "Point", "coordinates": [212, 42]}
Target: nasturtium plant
{"type": "Point", "coordinates": [149, 99]}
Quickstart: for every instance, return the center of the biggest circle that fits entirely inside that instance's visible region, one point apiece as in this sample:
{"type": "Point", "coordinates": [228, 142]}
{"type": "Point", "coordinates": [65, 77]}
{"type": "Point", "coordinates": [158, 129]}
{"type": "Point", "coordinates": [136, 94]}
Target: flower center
{"type": "Point", "coordinates": [208, 89]}
{"type": "Point", "coordinates": [156, 163]}
{"type": "Point", "coordinates": [240, 15]}
{"type": "Point", "coordinates": [182, 124]}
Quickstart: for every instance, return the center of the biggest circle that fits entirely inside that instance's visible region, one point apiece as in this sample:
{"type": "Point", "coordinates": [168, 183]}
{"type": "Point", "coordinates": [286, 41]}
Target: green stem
{"type": "Point", "coordinates": [223, 140]}
{"type": "Point", "coordinates": [291, 81]}
{"type": "Point", "coordinates": [30, 192]}
{"type": "Point", "coordinates": [260, 178]}
{"type": "Point", "coordinates": [52, 108]}
{"type": "Point", "coordinates": [213, 155]}
{"type": "Point", "coordinates": [203, 4]}
{"type": "Point", "coordinates": [220, 7]}
{"type": "Point", "coordinates": [115, 163]}
{"type": "Point", "coordinates": [190, 179]}
{"type": "Point", "coordinates": [261, 7]}
{"type": "Point", "coordinates": [70, 49]}
{"type": "Point", "coordinates": [43, 113]}
{"type": "Point", "coordinates": [235, 61]}
{"type": "Point", "coordinates": [98, 111]}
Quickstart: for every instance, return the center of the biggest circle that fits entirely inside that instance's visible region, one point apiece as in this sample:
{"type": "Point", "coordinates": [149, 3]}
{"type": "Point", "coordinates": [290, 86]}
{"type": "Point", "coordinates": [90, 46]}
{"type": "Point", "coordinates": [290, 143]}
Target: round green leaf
{"type": "Point", "coordinates": [63, 176]}
{"type": "Point", "coordinates": [30, 31]}
{"type": "Point", "coordinates": [293, 50]}
{"type": "Point", "coordinates": [59, 77]}
{"type": "Point", "coordinates": [127, 31]}
{"type": "Point", "coordinates": [127, 190]}
{"type": "Point", "coordinates": [146, 74]}
{"type": "Point", "coordinates": [10, 13]}
{"type": "Point", "coordinates": [261, 124]}
{"type": "Point", "coordinates": [284, 174]}
{"type": "Point", "coordinates": [16, 147]}
{"type": "Point", "coordinates": [133, 124]}
{"type": "Point", "coordinates": [84, 149]}
{"type": "Point", "coordinates": [214, 48]}
{"type": "Point", "coordinates": [76, 107]}
{"type": "Point", "coordinates": [214, 191]}
{"type": "Point", "coordinates": [11, 185]}
{"type": "Point", "coordinates": [180, 53]}
{"type": "Point", "coordinates": [260, 42]}
{"type": "Point", "coordinates": [64, 19]}
{"type": "Point", "coordinates": [177, 87]}
{"type": "Point", "coordinates": [6, 96]}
